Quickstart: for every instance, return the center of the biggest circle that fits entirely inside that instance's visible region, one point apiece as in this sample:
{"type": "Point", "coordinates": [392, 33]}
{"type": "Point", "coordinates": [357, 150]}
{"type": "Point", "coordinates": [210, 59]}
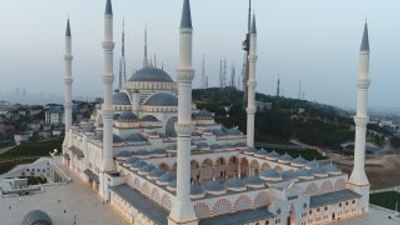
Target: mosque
{"type": "Point", "coordinates": [157, 159]}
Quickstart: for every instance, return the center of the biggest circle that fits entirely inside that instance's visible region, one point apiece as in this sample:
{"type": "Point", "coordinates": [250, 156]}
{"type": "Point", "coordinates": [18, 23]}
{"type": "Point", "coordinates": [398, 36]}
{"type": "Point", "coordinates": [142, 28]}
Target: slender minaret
{"type": "Point", "coordinates": [233, 76]}
{"type": "Point", "coordinates": [278, 88]}
{"type": "Point", "coordinates": [246, 48]}
{"type": "Point", "coordinates": [358, 180]}
{"type": "Point", "coordinates": [122, 60]}
{"type": "Point", "coordinates": [108, 79]}
{"type": "Point", "coordinates": [68, 78]}
{"type": "Point", "coordinates": [182, 210]}
{"type": "Point", "coordinates": [251, 84]}
{"type": "Point", "coordinates": [145, 60]}
{"type": "Point", "coordinates": [203, 73]}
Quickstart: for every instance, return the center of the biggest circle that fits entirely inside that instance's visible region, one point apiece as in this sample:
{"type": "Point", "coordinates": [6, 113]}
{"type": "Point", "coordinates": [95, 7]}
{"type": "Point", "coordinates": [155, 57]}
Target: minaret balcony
{"type": "Point", "coordinates": [108, 45]}
{"type": "Point", "coordinates": [361, 120]}
{"type": "Point", "coordinates": [184, 129]}
{"type": "Point", "coordinates": [363, 83]}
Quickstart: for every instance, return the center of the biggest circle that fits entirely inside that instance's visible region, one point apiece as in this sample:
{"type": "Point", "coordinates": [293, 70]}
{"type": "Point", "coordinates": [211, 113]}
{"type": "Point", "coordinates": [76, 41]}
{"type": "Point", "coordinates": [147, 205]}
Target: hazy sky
{"type": "Point", "coordinates": [314, 41]}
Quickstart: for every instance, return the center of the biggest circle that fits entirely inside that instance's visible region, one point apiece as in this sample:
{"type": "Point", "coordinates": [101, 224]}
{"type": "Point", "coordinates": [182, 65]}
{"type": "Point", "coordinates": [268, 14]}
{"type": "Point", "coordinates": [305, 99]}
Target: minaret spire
{"type": "Point", "coordinates": [145, 60]}
{"type": "Point", "coordinates": [107, 107]}
{"type": "Point", "coordinates": [182, 211]}
{"type": "Point", "coordinates": [251, 84]}
{"type": "Point", "coordinates": [358, 180]}
{"type": "Point", "coordinates": [278, 87]}
{"type": "Point", "coordinates": [122, 60]}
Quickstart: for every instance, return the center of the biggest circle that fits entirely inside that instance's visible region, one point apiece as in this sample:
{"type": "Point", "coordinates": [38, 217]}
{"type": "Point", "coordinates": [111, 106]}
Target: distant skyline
{"type": "Point", "coordinates": [312, 41]}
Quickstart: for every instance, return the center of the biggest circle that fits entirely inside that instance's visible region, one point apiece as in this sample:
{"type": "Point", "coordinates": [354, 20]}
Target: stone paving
{"type": "Point", "coordinates": [376, 216]}
{"type": "Point", "coordinates": [75, 198]}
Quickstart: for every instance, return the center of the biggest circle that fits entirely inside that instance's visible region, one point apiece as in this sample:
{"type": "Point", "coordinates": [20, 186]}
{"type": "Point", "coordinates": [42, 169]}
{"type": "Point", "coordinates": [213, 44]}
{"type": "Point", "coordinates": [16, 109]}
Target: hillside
{"type": "Point", "coordinates": [311, 123]}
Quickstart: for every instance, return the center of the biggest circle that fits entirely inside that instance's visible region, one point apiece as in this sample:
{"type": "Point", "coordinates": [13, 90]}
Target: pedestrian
{"type": "Point", "coordinates": [65, 211]}
{"type": "Point", "coordinates": [9, 207]}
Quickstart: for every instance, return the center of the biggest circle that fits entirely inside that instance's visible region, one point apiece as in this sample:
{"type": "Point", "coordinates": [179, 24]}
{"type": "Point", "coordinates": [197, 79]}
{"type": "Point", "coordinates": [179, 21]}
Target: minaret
{"type": "Point", "coordinates": [108, 79]}
{"type": "Point", "coordinates": [122, 61]}
{"type": "Point", "coordinates": [278, 88]}
{"type": "Point", "coordinates": [182, 210]}
{"type": "Point", "coordinates": [246, 48]}
{"type": "Point", "coordinates": [251, 84]}
{"type": "Point", "coordinates": [358, 180]}
{"type": "Point", "coordinates": [145, 60]}
{"type": "Point", "coordinates": [68, 78]}
{"type": "Point", "coordinates": [203, 73]}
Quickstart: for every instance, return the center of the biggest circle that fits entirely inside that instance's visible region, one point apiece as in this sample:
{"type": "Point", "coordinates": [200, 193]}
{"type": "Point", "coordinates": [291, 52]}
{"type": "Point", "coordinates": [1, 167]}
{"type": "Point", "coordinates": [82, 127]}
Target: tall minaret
{"type": "Point", "coordinates": [68, 78]}
{"type": "Point", "coordinates": [251, 84]}
{"type": "Point", "coordinates": [182, 210]}
{"type": "Point", "coordinates": [145, 60]}
{"type": "Point", "coordinates": [108, 79]}
{"type": "Point", "coordinates": [358, 179]}
{"type": "Point", "coordinates": [122, 60]}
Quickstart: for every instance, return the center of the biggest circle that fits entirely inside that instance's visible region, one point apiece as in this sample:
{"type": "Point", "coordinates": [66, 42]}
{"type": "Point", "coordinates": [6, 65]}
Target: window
{"type": "Point", "coordinates": [310, 212]}
{"type": "Point", "coordinates": [266, 222]}
{"type": "Point", "coordinates": [326, 208]}
{"type": "Point", "coordinates": [340, 204]}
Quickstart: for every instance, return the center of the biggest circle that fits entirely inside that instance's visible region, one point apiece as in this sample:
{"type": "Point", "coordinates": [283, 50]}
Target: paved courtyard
{"type": "Point", "coordinates": [76, 199]}
{"type": "Point", "coordinates": [376, 216]}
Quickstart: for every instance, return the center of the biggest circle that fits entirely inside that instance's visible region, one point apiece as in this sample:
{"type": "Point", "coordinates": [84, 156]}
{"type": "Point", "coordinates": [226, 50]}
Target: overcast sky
{"type": "Point", "coordinates": [314, 41]}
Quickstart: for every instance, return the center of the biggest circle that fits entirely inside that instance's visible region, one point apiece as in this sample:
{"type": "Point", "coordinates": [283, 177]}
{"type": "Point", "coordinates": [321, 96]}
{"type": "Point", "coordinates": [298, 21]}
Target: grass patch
{"type": "Point", "coordinates": [386, 199]}
{"type": "Point", "coordinates": [8, 165]}
{"type": "Point", "coordinates": [33, 149]}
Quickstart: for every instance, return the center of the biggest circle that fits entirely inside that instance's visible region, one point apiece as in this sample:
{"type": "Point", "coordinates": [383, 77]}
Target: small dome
{"type": "Point", "coordinates": [313, 163]}
{"type": "Point", "coordinates": [273, 155]}
{"type": "Point", "coordinates": [235, 184]}
{"type": "Point", "coordinates": [135, 138]}
{"type": "Point", "coordinates": [137, 165]}
{"type": "Point", "coordinates": [289, 175]}
{"type": "Point", "coordinates": [151, 74]}
{"type": "Point", "coordinates": [88, 128]}
{"type": "Point", "coordinates": [285, 158]}
{"type": "Point", "coordinates": [254, 182]}
{"type": "Point", "coordinates": [121, 98]}
{"type": "Point", "coordinates": [127, 116]}
{"type": "Point", "coordinates": [299, 161]}
{"type": "Point", "coordinates": [172, 185]}
{"type": "Point", "coordinates": [156, 173]}
{"type": "Point", "coordinates": [270, 174]}
{"type": "Point", "coordinates": [332, 169]}
{"type": "Point", "coordinates": [146, 169]}
{"type": "Point", "coordinates": [203, 115]}
{"type": "Point", "coordinates": [305, 174]}
{"type": "Point", "coordinates": [124, 155]}
{"type": "Point", "coordinates": [215, 188]}
{"type": "Point", "coordinates": [166, 178]}
{"type": "Point", "coordinates": [37, 217]}
{"type": "Point", "coordinates": [149, 118]}
{"type": "Point", "coordinates": [116, 138]}
{"type": "Point", "coordinates": [130, 161]}
{"type": "Point", "coordinates": [196, 192]}
{"type": "Point", "coordinates": [116, 116]}
{"type": "Point", "coordinates": [261, 153]}
{"type": "Point", "coordinates": [162, 99]}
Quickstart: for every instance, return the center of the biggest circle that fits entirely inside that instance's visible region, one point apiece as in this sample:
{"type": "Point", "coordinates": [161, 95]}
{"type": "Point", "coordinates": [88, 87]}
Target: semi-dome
{"type": "Point", "coordinates": [162, 99]}
{"type": "Point", "coordinates": [116, 138]}
{"type": "Point", "coordinates": [121, 98]}
{"type": "Point", "coordinates": [123, 155]}
{"type": "Point", "coordinates": [37, 217]}
{"type": "Point", "coordinates": [150, 74]}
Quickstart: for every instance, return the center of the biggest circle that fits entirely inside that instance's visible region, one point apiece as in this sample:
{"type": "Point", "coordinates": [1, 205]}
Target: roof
{"type": "Point", "coordinates": [151, 74]}
{"type": "Point", "coordinates": [365, 41]}
{"type": "Point", "coordinates": [146, 206]}
{"type": "Point", "coordinates": [162, 99]}
{"type": "Point", "coordinates": [37, 217]}
{"type": "Point", "coordinates": [186, 19]}
{"type": "Point", "coordinates": [109, 8]}
{"type": "Point", "coordinates": [121, 98]}
{"type": "Point", "coordinates": [127, 116]}
{"type": "Point", "coordinates": [239, 218]}
{"type": "Point", "coordinates": [68, 31]}
{"type": "Point", "coordinates": [333, 197]}
{"type": "Point", "coordinates": [76, 151]}
{"type": "Point", "coordinates": [92, 175]}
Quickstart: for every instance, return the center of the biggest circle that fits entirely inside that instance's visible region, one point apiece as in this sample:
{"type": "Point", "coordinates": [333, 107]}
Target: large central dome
{"type": "Point", "coordinates": [150, 74]}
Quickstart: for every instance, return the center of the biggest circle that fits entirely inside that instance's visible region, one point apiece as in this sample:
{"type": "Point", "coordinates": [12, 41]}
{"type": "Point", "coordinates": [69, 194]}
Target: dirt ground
{"type": "Point", "coordinates": [382, 171]}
